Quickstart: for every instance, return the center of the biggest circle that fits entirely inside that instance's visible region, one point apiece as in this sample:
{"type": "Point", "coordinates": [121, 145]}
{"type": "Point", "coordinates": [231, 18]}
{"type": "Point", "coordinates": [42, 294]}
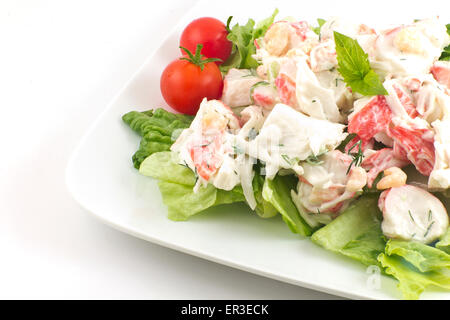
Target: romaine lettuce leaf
{"type": "Point", "coordinates": [416, 266]}
{"type": "Point", "coordinates": [263, 208]}
{"type": "Point", "coordinates": [157, 129]}
{"type": "Point", "coordinates": [164, 166]}
{"type": "Point", "coordinates": [178, 179]}
{"type": "Point", "coordinates": [423, 257]}
{"type": "Point", "coordinates": [176, 185]}
{"type": "Point", "coordinates": [278, 193]}
{"type": "Point", "coordinates": [444, 242]}
{"type": "Point", "coordinates": [412, 282]}
{"type": "Point", "coordinates": [182, 202]}
{"type": "Point", "coordinates": [356, 233]}
{"type": "Point", "coordinates": [366, 247]}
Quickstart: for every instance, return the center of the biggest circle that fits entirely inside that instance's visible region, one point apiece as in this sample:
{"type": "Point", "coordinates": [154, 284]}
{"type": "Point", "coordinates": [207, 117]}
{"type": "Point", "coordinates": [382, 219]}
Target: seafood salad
{"type": "Point", "coordinates": [340, 128]}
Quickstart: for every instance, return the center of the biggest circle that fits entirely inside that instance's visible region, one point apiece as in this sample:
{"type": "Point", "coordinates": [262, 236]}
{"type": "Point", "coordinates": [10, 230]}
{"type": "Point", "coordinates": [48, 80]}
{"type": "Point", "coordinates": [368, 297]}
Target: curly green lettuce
{"type": "Point", "coordinates": [263, 208]}
{"type": "Point", "coordinates": [176, 183]}
{"type": "Point", "coordinates": [444, 242]}
{"type": "Point", "coordinates": [424, 257]}
{"type": "Point", "coordinates": [356, 233]}
{"type": "Point", "coordinates": [416, 266]}
{"type": "Point", "coordinates": [278, 193]}
{"type": "Point", "coordinates": [158, 129]}
{"type": "Point", "coordinates": [243, 39]}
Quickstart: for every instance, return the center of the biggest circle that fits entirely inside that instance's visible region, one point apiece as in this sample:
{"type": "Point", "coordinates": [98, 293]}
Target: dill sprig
{"type": "Point", "coordinates": [357, 156]}
{"type": "Point", "coordinates": [237, 149]}
{"type": "Point", "coordinates": [196, 175]}
{"type": "Point", "coordinates": [252, 134]}
{"type": "Point", "coordinates": [410, 215]}
{"type": "Point", "coordinates": [286, 158]}
{"type": "Point", "coordinates": [184, 164]}
{"type": "Point", "coordinates": [428, 229]}
{"type": "Point", "coordinates": [314, 160]}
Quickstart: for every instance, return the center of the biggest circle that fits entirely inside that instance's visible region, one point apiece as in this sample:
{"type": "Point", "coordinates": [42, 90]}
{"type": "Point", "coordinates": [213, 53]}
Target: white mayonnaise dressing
{"type": "Point", "coordinates": [432, 101]}
{"type": "Point", "coordinates": [288, 137]}
{"type": "Point", "coordinates": [409, 50]}
{"type": "Point", "coordinates": [254, 120]}
{"type": "Point", "coordinates": [346, 27]}
{"type": "Point", "coordinates": [393, 100]}
{"type": "Point", "coordinates": [213, 122]}
{"type": "Point", "coordinates": [332, 80]}
{"type": "Point", "coordinates": [313, 99]}
{"type": "Point", "coordinates": [321, 191]}
{"type": "Point", "coordinates": [323, 56]}
{"type": "Point", "coordinates": [440, 176]}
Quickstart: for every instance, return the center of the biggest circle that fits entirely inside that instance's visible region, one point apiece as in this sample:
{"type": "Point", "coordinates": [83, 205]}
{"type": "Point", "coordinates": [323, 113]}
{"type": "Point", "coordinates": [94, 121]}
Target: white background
{"type": "Point", "coordinates": [60, 65]}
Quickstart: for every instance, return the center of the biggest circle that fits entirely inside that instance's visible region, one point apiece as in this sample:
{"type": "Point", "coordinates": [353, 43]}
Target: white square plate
{"type": "Point", "coordinates": [101, 177]}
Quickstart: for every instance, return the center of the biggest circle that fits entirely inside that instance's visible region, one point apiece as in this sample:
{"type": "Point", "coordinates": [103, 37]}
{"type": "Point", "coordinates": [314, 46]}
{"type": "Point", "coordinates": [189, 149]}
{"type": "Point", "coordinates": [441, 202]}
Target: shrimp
{"type": "Point", "coordinates": [393, 177]}
{"type": "Point", "coordinates": [276, 38]}
{"type": "Point", "coordinates": [357, 179]}
{"type": "Point", "coordinates": [283, 36]}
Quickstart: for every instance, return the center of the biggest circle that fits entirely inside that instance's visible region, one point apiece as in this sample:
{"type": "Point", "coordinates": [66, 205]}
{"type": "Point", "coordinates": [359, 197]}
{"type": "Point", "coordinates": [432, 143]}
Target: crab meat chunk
{"type": "Point", "coordinates": [323, 56]}
{"type": "Point", "coordinates": [288, 136]}
{"type": "Point", "coordinates": [441, 72]}
{"type": "Point", "coordinates": [286, 90]}
{"type": "Point", "coordinates": [236, 88]}
{"type": "Point", "coordinates": [323, 190]}
{"type": "Point", "coordinates": [406, 101]}
{"type": "Point", "coordinates": [411, 213]}
{"type": "Point", "coordinates": [399, 100]}
{"type": "Point", "coordinates": [412, 83]}
{"type": "Point", "coordinates": [417, 139]}
{"type": "Point", "coordinates": [265, 96]}
{"type": "Point", "coordinates": [285, 82]}
{"type": "Point", "coordinates": [313, 99]}
{"type": "Point", "coordinates": [433, 102]}
{"type": "Point", "coordinates": [440, 176]}
{"type": "Point", "coordinates": [379, 161]}
{"type": "Point", "coordinates": [205, 145]}
{"type": "Point", "coordinates": [371, 119]}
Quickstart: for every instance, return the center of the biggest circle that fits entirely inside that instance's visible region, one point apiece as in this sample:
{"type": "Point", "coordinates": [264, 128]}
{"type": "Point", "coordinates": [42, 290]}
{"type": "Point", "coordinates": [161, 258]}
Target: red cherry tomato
{"type": "Point", "coordinates": [209, 32]}
{"type": "Point", "coordinates": [184, 84]}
